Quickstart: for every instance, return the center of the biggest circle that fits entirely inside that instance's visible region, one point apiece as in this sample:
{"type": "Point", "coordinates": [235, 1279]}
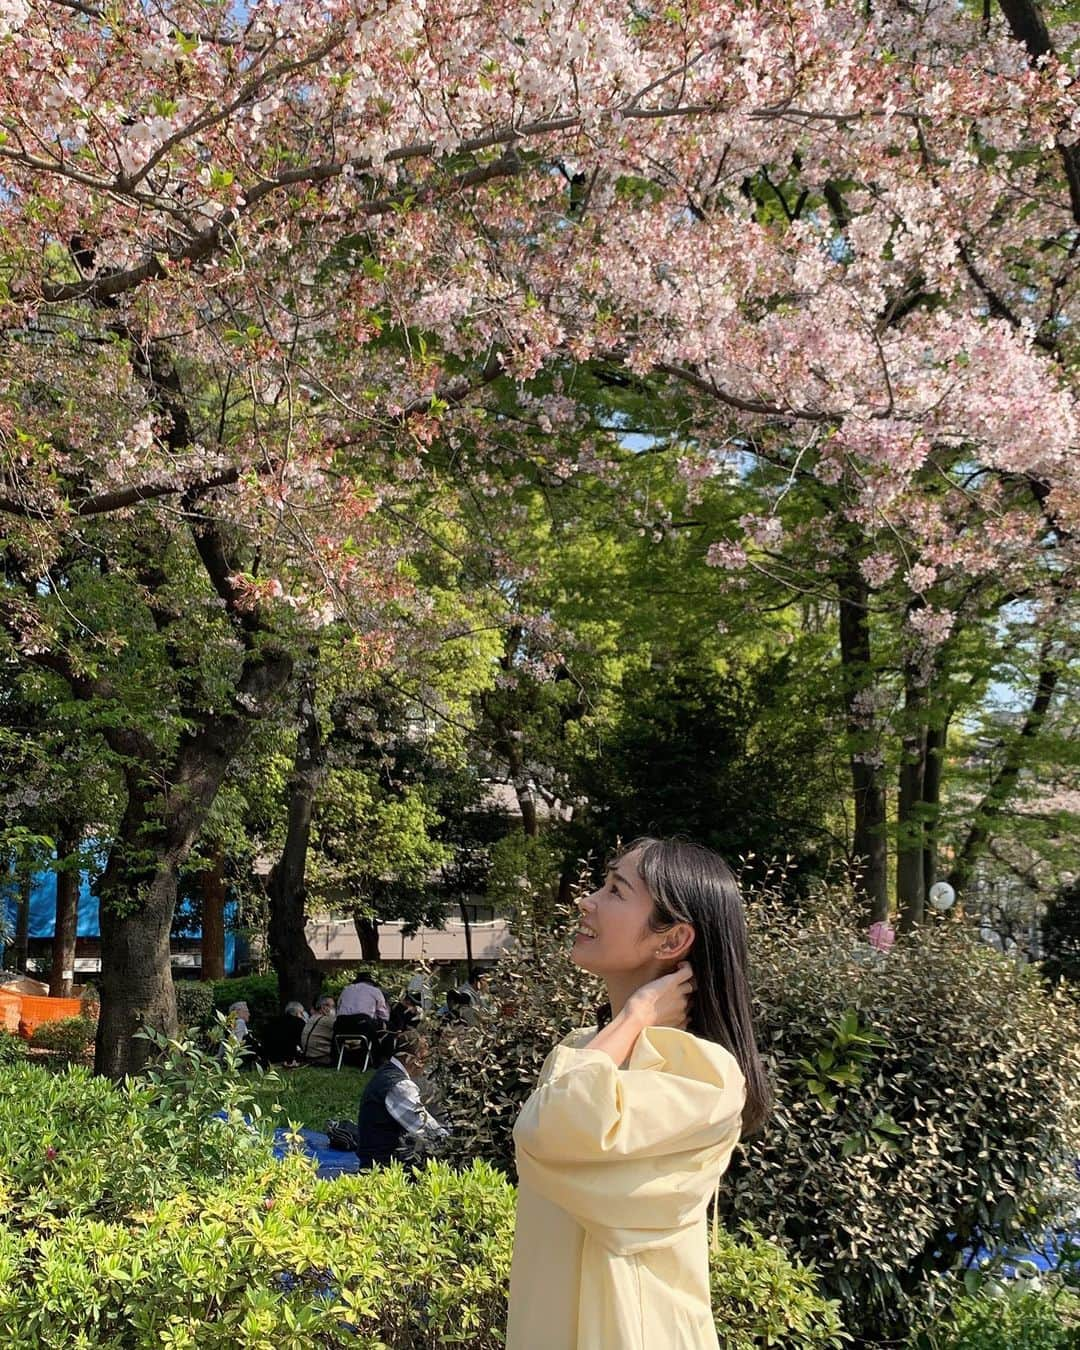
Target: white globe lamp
{"type": "Point", "coordinates": [942, 896]}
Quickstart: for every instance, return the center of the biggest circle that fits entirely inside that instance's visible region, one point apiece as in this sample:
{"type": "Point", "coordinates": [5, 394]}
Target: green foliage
{"type": "Point", "coordinates": [268, 1256]}
{"type": "Point", "coordinates": [79, 1146]}
{"type": "Point", "coordinates": [275, 1259]}
{"type": "Point", "coordinates": [259, 992]}
{"type": "Point", "coordinates": [841, 1061]}
{"type": "Point", "coordinates": [522, 866]}
{"type": "Point", "coordinates": [1006, 1317]}
{"type": "Point", "coordinates": [13, 1048]}
{"type": "Point", "coordinates": [483, 1073]}
{"type": "Point", "coordinates": [959, 1127]}
{"type": "Point", "coordinates": [195, 1002]}
{"type": "Point", "coordinates": [719, 755]}
{"type": "Point", "coordinates": [761, 1297]}
{"type": "Point", "coordinates": [70, 1036]}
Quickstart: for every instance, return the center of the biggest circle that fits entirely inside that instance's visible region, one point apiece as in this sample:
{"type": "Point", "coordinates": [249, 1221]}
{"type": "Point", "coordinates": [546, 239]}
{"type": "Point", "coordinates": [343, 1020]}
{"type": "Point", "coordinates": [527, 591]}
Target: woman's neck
{"type": "Point", "coordinates": [620, 987]}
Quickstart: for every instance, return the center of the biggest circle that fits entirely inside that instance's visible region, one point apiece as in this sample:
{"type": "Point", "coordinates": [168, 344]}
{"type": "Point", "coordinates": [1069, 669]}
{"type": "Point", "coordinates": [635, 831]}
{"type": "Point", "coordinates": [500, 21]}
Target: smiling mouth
{"type": "Point", "coordinates": [585, 932]}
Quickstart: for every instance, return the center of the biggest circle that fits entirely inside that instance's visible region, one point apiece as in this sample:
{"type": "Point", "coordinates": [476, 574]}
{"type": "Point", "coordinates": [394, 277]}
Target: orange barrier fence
{"type": "Point", "coordinates": [26, 1012]}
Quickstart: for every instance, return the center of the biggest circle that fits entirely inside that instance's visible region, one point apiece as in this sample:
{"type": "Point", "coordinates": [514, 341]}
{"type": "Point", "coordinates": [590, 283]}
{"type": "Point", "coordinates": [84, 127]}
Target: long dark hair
{"type": "Point", "coordinates": [691, 884]}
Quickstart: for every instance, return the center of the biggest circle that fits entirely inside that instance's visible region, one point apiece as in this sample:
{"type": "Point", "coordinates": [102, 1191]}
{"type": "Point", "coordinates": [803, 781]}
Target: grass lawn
{"type": "Point", "coordinates": [311, 1097]}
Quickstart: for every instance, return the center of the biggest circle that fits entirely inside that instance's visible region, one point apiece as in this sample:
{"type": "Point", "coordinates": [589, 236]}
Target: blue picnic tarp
{"type": "Point", "coordinates": [332, 1162]}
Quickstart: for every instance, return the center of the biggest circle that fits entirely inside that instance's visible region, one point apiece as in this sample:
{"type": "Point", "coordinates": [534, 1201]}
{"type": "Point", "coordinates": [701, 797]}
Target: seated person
{"type": "Point", "coordinates": [457, 1008]}
{"type": "Point", "coordinates": [363, 995]}
{"type": "Point", "coordinates": [406, 1012]}
{"type": "Point", "coordinates": [317, 1037]}
{"type": "Point", "coordinates": [281, 1035]}
{"type": "Point", "coordinates": [238, 1032]}
{"type": "Point", "coordinates": [368, 1036]}
{"type": "Point", "coordinates": [394, 1125]}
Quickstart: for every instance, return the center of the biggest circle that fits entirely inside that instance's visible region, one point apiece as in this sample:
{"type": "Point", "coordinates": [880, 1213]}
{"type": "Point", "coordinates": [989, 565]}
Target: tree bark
{"type": "Point", "coordinates": [1004, 780]}
{"type": "Point", "coordinates": [869, 844]}
{"type": "Point", "coordinates": [468, 934]}
{"type": "Point", "coordinates": [910, 837]}
{"type": "Point", "coordinates": [212, 886]}
{"type": "Point", "coordinates": [367, 930]}
{"type": "Point", "coordinates": [299, 976]}
{"type": "Point", "coordinates": [1029, 27]}
{"type": "Point", "coordinates": [158, 829]}
{"type": "Point", "coordinates": [936, 738]}
{"type": "Point", "coordinates": [20, 952]}
{"type": "Point", "coordinates": [62, 973]}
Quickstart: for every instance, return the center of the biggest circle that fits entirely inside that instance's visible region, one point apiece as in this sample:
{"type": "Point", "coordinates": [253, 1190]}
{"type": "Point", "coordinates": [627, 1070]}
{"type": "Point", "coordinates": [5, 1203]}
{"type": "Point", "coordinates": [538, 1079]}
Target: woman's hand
{"type": "Point", "coordinates": [664, 1002]}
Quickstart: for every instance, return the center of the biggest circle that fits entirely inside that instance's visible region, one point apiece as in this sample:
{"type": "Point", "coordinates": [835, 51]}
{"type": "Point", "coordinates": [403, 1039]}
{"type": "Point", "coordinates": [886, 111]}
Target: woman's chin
{"type": "Point", "coordinates": [579, 954]}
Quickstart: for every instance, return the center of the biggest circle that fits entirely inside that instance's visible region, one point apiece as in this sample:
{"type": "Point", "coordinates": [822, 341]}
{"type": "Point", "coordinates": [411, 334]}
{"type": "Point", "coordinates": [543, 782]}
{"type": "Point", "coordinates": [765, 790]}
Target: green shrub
{"type": "Point", "coordinates": [761, 1297]}
{"type": "Point", "coordinates": [70, 1037]}
{"type": "Point", "coordinates": [259, 992]}
{"type": "Point", "coordinates": [1012, 1317]}
{"type": "Point", "coordinates": [73, 1144]}
{"type": "Point", "coordinates": [927, 1101]}
{"type": "Point", "coordinates": [279, 1259]}
{"type": "Point", "coordinates": [483, 1073]}
{"type": "Point", "coordinates": [12, 1047]}
{"type": "Point", "coordinates": [195, 1002]}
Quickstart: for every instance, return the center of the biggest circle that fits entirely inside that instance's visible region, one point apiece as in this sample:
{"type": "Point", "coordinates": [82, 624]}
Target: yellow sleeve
{"type": "Point", "coordinates": [637, 1148]}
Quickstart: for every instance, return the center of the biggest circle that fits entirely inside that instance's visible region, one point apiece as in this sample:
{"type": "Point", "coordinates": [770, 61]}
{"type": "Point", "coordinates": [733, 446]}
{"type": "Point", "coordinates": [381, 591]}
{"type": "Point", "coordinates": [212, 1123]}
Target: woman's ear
{"type": "Point", "coordinates": [677, 941]}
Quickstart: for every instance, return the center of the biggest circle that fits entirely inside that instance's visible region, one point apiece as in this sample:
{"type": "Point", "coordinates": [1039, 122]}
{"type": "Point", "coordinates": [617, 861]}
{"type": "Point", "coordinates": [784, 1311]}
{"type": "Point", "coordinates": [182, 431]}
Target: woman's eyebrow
{"type": "Point", "coordinates": [620, 878]}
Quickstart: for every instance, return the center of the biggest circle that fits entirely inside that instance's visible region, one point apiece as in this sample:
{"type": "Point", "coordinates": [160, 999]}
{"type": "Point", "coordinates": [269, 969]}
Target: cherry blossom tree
{"type": "Point", "coordinates": [260, 267]}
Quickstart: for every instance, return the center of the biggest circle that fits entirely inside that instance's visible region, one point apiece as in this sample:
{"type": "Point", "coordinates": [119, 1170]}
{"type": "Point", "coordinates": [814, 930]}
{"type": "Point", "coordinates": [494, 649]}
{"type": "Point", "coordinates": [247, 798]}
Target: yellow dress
{"type": "Point", "coordinates": [616, 1168]}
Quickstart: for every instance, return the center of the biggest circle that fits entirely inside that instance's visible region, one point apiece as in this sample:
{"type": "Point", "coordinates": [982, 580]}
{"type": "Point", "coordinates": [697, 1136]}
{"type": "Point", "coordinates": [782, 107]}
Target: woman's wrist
{"type": "Point", "coordinates": [619, 1037]}
{"type": "Point", "coordinates": [634, 1014]}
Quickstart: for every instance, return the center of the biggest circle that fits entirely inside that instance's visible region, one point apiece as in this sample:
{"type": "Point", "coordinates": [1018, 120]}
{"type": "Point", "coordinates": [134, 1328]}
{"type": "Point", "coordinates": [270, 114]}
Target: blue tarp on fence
{"type": "Point", "coordinates": [43, 914]}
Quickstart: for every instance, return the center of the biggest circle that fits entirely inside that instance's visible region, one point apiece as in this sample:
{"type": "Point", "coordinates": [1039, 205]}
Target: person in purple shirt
{"type": "Point", "coordinates": [363, 996]}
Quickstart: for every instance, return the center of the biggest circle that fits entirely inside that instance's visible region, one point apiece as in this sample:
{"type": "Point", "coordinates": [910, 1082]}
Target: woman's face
{"type": "Point", "coordinates": [614, 937]}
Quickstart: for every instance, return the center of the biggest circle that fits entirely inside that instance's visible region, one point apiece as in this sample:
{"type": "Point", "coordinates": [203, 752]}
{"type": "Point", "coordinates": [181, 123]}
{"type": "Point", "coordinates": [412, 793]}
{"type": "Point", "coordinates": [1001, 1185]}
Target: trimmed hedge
{"type": "Point", "coordinates": [131, 1219]}
{"type": "Point", "coordinates": [259, 992]}
{"type": "Point", "coordinates": [71, 1036]}
{"type": "Point", "coordinates": [194, 1003]}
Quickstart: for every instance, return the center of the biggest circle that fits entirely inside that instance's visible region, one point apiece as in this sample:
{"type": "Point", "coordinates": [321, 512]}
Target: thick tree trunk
{"type": "Point", "coordinates": [212, 887]}
{"type": "Point", "coordinates": [910, 839]}
{"type": "Point", "coordinates": [1004, 780]}
{"type": "Point", "coordinates": [936, 738]}
{"type": "Point", "coordinates": [138, 890]}
{"type": "Point", "coordinates": [468, 934]}
{"type": "Point", "coordinates": [297, 969]}
{"type": "Point", "coordinates": [367, 930]}
{"type": "Point", "coordinates": [869, 844]}
{"type": "Point", "coordinates": [526, 799]}
{"type": "Point", "coordinates": [20, 951]}
{"type": "Point", "coordinates": [62, 974]}
{"type": "Point", "coordinates": [136, 975]}
{"type": "Point", "coordinates": [910, 824]}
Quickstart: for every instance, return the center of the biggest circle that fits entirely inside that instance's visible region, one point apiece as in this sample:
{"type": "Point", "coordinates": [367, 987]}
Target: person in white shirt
{"type": "Point", "coordinates": [393, 1123]}
{"type": "Point", "coordinates": [363, 996]}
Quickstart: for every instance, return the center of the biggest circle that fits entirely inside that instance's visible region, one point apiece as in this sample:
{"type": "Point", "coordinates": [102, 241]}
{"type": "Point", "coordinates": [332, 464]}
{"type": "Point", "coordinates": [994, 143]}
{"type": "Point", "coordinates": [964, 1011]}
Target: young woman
{"type": "Point", "coordinates": [624, 1141]}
